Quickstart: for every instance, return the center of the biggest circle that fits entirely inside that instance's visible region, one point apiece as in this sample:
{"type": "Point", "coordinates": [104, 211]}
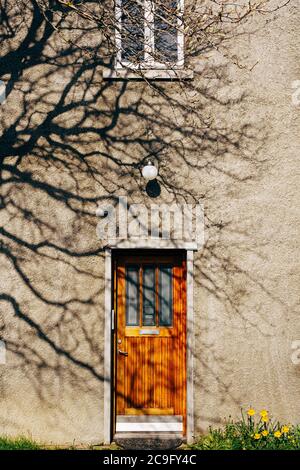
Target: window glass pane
{"type": "Point", "coordinates": [149, 296]}
{"type": "Point", "coordinates": [132, 30]}
{"type": "Point", "coordinates": [132, 296]}
{"type": "Point", "coordinates": [165, 30]}
{"type": "Point", "coordinates": [165, 296]}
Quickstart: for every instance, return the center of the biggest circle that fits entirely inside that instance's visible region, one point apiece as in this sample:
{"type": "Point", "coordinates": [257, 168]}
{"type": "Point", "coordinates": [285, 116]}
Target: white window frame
{"type": "Point", "coordinates": [149, 62]}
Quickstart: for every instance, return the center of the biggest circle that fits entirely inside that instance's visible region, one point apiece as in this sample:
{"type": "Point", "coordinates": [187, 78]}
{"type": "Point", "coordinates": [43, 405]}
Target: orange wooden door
{"type": "Point", "coordinates": [151, 334]}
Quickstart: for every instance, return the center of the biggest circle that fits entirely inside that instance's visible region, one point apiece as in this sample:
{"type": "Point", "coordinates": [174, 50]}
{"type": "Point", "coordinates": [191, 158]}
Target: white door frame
{"type": "Point", "coordinates": [108, 373]}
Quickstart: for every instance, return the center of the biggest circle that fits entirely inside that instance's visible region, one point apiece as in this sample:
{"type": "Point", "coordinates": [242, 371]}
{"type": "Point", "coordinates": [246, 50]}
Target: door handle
{"type": "Point", "coordinates": [124, 353]}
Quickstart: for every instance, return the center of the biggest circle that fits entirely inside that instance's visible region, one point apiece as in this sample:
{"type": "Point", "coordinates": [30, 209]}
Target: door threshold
{"type": "Point", "coordinates": [149, 424]}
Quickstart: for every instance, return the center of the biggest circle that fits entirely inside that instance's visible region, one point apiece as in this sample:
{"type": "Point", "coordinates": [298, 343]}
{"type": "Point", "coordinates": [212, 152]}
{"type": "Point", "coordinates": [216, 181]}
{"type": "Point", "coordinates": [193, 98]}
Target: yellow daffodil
{"type": "Point", "coordinates": [265, 419]}
{"type": "Point", "coordinates": [257, 436]}
{"type": "Point", "coordinates": [251, 412]}
{"type": "Point", "coordinates": [265, 433]}
{"type": "Point", "coordinates": [277, 434]}
{"type": "Point", "coordinates": [263, 413]}
{"type": "Point", "coordinates": [285, 429]}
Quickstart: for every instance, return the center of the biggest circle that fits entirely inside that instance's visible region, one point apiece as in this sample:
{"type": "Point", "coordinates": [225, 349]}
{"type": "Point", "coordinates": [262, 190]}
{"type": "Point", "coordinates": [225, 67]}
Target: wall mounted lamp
{"type": "Point", "coordinates": [149, 171]}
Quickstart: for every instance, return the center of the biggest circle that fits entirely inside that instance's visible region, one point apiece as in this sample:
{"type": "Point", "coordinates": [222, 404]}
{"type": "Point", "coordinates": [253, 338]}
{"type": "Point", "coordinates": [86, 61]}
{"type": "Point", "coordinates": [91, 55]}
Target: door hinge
{"type": "Point", "coordinates": [112, 319]}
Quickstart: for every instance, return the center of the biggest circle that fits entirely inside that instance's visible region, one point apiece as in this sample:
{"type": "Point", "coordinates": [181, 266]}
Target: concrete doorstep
{"type": "Point", "coordinates": [148, 441]}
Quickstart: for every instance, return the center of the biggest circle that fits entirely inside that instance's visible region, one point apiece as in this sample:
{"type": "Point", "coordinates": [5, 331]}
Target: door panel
{"type": "Point", "coordinates": [151, 334]}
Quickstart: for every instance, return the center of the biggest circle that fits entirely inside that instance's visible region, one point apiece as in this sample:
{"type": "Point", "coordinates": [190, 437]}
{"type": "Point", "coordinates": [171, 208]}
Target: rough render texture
{"type": "Point", "coordinates": [246, 293]}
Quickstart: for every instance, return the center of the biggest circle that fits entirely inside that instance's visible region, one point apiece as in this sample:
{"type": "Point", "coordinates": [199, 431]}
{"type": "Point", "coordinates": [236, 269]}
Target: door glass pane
{"type": "Point", "coordinates": [132, 296]}
{"type": "Point", "coordinates": [149, 296]}
{"type": "Point", "coordinates": [165, 296]}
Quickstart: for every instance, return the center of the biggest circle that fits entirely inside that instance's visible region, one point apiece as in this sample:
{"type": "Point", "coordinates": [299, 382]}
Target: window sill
{"type": "Point", "coordinates": [150, 74]}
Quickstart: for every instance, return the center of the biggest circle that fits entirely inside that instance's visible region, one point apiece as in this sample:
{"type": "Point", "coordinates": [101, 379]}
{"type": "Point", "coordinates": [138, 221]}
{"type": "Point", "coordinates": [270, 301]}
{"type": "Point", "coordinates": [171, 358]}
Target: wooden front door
{"type": "Point", "coordinates": [150, 356]}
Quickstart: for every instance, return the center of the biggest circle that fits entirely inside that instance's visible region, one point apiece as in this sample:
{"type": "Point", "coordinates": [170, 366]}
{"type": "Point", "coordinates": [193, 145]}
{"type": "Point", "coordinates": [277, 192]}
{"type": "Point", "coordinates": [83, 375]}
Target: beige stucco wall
{"type": "Point", "coordinates": [235, 148]}
{"type": "Point", "coordinates": [246, 334]}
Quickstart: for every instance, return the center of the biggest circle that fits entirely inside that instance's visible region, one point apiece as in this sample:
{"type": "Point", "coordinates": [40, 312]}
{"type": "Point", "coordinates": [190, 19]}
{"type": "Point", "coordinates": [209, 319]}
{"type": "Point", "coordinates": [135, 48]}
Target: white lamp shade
{"type": "Point", "coordinates": [149, 171]}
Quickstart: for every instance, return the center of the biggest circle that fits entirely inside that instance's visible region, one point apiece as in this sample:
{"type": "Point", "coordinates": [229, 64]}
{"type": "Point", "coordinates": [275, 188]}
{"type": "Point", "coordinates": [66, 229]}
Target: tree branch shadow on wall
{"type": "Point", "coordinates": [72, 141]}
